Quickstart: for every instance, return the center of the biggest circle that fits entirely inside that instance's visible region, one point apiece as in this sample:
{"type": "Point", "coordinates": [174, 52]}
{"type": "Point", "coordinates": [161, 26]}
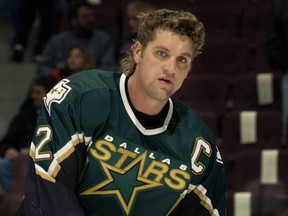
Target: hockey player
{"type": "Point", "coordinates": [118, 144]}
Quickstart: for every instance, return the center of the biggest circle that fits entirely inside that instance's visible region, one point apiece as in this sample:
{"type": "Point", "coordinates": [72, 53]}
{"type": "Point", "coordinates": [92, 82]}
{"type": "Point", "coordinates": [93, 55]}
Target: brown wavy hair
{"type": "Point", "coordinates": [180, 22]}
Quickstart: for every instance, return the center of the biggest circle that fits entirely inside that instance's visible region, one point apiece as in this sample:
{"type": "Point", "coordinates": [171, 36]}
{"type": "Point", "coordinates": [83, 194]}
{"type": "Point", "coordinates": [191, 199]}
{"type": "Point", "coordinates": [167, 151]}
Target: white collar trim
{"type": "Point", "coordinates": [134, 119]}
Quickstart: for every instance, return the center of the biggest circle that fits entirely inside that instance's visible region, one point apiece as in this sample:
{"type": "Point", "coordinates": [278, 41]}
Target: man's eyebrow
{"type": "Point", "coordinates": [167, 50]}
{"type": "Point", "coordinates": [161, 47]}
{"type": "Point", "coordinates": [187, 54]}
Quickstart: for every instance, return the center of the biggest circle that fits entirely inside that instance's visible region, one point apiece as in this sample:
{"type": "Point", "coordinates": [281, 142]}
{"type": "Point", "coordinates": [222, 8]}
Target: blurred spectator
{"type": "Point", "coordinates": [25, 17]}
{"type": "Point", "coordinates": [132, 10]}
{"type": "Point", "coordinates": [7, 9]}
{"type": "Point", "coordinates": [79, 59]}
{"type": "Point", "coordinates": [20, 131]}
{"type": "Point", "coordinates": [82, 31]}
{"type": "Point", "coordinates": [277, 51]}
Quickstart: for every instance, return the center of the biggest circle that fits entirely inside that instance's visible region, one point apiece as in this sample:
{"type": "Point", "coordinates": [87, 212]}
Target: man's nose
{"type": "Point", "coordinates": [170, 66]}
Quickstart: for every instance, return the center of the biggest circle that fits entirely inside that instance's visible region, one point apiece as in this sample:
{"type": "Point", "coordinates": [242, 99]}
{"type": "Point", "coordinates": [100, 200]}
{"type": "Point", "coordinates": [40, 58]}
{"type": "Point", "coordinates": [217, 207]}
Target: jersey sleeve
{"type": "Point", "coordinates": [208, 197]}
{"type": "Point", "coordinates": [212, 191]}
{"type": "Point", "coordinates": [58, 153]}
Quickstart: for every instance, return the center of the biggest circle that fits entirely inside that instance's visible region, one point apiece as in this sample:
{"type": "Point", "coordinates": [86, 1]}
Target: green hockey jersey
{"type": "Point", "coordinates": [92, 156]}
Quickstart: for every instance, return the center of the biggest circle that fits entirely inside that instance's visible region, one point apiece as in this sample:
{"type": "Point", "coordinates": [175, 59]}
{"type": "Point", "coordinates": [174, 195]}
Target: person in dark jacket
{"type": "Point", "coordinates": [82, 31]}
{"type": "Point", "coordinates": [20, 131]}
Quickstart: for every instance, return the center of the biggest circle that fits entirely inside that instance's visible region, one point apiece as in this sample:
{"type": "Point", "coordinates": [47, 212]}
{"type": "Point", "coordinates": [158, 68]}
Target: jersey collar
{"type": "Point", "coordinates": [134, 119]}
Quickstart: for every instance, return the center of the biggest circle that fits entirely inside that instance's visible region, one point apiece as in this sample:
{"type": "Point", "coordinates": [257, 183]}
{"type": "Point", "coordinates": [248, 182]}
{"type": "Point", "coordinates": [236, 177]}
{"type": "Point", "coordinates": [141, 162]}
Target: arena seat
{"type": "Point", "coordinates": [222, 57]}
{"type": "Point", "coordinates": [251, 130]}
{"type": "Point", "coordinates": [205, 93]}
{"type": "Point", "coordinates": [263, 174]}
{"type": "Point", "coordinates": [257, 91]}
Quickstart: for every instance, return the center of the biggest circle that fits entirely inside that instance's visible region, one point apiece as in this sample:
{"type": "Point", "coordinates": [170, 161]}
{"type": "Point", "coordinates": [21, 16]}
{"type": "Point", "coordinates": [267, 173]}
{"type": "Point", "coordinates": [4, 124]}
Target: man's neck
{"type": "Point", "coordinates": [142, 102]}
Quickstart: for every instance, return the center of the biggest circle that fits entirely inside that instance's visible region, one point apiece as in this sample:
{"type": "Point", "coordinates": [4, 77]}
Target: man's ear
{"type": "Point", "coordinates": [137, 51]}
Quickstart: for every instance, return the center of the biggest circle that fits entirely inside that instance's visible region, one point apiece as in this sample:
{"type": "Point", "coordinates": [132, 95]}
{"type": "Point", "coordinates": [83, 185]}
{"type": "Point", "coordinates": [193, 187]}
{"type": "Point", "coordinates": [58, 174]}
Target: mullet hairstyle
{"type": "Point", "coordinates": [180, 22]}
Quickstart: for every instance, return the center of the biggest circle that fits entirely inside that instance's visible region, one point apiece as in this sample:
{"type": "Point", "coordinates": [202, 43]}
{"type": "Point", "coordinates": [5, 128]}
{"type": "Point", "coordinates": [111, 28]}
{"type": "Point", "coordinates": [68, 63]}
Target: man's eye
{"type": "Point", "coordinates": [161, 53]}
{"type": "Point", "coordinates": [182, 59]}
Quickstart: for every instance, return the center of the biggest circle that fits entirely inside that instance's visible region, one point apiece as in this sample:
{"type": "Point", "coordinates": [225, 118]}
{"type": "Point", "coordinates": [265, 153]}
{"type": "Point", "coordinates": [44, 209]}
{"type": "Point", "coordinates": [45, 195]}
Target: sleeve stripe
{"type": "Point", "coordinates": [59, 156]}
{"type": "Point", "coordinates": [182, 196]}
{"type": "Point", "coordinates": [200, 191]}
{"type": "Point", "coordinates": [205, 200]}
{"type": "Point", "coordinates": [41, 172]}
{"type": "Point", "coordinates": [65, 152]}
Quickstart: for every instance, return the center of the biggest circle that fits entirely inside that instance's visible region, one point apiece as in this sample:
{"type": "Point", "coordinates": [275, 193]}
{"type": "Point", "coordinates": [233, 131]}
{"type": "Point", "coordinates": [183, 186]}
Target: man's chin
{"type": "Point", "coordinates": [163, 96]}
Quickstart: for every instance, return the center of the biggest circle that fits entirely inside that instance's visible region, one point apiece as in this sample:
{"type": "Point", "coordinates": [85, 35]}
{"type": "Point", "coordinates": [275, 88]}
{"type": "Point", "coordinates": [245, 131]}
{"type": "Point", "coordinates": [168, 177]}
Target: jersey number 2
{"type": "Point", "coordinates": [46, 132]}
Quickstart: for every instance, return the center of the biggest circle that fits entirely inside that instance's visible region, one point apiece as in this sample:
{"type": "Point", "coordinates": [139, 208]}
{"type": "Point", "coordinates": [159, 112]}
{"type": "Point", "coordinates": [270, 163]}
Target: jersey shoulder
{"type": "Point", "coordinates": [94, 79]}
{"type": "Point", "coordinates": [85, 85]}
{"type": "Point", "coordinates": [185, 117]}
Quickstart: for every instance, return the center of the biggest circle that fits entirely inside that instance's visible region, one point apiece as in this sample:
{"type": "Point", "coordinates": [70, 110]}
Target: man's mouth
{"type": "Point", "coordinates": [165, 80]}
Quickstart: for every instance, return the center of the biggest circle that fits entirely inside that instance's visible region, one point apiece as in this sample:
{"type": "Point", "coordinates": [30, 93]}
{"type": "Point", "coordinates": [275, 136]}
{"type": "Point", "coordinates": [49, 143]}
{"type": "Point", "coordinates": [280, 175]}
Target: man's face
{"type": "Point", "coordinates": [85, 19]}
{"type": "Point", "coordinates": [163, 65]}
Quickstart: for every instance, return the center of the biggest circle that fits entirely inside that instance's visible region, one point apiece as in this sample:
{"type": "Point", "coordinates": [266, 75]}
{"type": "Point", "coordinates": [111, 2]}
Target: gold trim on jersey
{"type": "Point", "coordinates": [200, 191]}
{"type": "Point", "coordinates": [107, 168]}
{"type": "Point", "coordinates": [41, 172]}
{"type": "Point", "coordinates": [205, 201]}
{"type": "Point", "coordinates": [182, 196]}
{"type": "Point", "coordinates": [59, 156]}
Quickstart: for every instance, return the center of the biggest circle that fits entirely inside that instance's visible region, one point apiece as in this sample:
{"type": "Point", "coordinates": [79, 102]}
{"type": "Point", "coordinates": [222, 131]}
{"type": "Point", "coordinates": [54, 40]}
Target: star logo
{"type": "Point", "coordinates": [55, 90]}
{"type": "Point", "coordinates": [57, 94]}
{"type": "Point", "coordinates": [124, 184]}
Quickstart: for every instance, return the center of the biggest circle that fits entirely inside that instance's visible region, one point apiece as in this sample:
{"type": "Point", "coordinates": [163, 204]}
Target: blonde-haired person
{"type": "Point", "coordinates": [79, 59]}
{"type": "Point", "coordinates": [120, 144]}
